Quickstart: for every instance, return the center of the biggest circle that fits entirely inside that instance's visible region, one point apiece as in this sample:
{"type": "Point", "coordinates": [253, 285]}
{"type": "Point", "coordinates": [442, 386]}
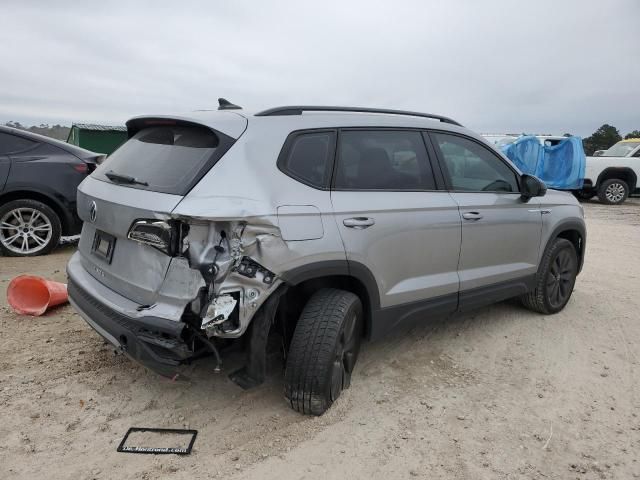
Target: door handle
{"type": "Point", "coordinates": [358, 222]}
{"type": "Point", "coordinates": [472, 216]}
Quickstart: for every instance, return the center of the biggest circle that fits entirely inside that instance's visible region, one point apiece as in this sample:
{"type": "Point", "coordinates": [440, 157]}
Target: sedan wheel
{"type": "Point", "coordinates": [28, 228]}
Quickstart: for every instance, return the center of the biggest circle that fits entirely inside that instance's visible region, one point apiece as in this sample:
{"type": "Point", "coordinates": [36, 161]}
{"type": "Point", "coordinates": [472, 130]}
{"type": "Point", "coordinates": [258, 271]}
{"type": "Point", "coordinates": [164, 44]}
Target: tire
{"type": "Point", "coordinates": [613, 191]}
{"type": "Point", "coordinates": [28, 228]}
{"type": "Point", "coordinates": [583, 195]}
{"type": "Point", "coordinates": [324, 350]}
{"type": "Point", "coordinates": [553, 291]}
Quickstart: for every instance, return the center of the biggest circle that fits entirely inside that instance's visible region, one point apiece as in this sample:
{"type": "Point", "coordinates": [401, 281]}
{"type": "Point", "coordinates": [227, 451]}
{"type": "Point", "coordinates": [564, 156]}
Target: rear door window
{"type": "Point", "coordinates": [167, 158]}
{"type": "Point", "coordinates": [392, 160]}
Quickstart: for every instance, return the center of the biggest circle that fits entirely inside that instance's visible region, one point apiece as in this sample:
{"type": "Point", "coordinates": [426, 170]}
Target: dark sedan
{"type": "Point", "coordinates": [38, 181]}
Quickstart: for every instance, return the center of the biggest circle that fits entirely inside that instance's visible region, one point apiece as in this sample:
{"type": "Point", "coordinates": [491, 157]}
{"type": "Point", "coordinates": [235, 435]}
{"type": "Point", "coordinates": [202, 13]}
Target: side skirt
{"type": "Point", "coordinates": [482, 296]}
{"type": "Point", "coordinates": [404, 316]}
{"type": "Point", "coordinates": [401, 317]}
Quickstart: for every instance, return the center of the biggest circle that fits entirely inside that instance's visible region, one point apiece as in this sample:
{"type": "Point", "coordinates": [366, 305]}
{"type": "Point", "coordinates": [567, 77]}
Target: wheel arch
{"type": "Point", "coordinates": [351, 276]}
{"type": "Point", "coordinates": [622, 173]}
{"type": "Point", "coordinates": [576, 233]}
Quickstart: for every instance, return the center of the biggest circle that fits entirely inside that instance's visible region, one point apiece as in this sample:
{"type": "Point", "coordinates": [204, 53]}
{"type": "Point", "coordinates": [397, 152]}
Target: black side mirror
{"type": "Point", "coordinates": [531, 187]}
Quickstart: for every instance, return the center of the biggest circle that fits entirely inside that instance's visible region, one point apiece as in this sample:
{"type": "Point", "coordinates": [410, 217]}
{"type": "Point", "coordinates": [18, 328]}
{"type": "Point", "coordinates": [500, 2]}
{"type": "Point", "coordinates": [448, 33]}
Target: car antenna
{"type": "Point", "coordinates": [224, 104]}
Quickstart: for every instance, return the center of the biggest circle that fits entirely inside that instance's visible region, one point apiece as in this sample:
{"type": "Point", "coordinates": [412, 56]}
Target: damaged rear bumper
{"type": "Point", "coordinates": [154, 342]}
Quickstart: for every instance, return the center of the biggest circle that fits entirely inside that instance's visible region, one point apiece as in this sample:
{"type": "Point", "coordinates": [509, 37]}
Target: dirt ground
{"type": "Point", "coordinates": [499, 393]}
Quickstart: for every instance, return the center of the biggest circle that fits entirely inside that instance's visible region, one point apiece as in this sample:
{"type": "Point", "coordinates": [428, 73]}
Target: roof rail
{"type": "Point", "coordinates": [298, 109]}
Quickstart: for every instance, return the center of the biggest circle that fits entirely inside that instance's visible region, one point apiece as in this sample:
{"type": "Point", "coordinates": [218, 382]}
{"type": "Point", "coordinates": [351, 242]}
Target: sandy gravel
{"type": "Point", "coordinates": [499, 393]}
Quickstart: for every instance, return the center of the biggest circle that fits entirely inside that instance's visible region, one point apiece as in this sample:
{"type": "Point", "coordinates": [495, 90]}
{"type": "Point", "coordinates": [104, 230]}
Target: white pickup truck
{"type": "Point", "coordinates": [613, 175]}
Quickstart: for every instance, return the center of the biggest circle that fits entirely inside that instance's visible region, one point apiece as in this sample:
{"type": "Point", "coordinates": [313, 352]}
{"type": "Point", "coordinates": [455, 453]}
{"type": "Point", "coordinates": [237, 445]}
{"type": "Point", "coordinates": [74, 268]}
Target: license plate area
{"type": "Point", "coordinates": [103, 246]}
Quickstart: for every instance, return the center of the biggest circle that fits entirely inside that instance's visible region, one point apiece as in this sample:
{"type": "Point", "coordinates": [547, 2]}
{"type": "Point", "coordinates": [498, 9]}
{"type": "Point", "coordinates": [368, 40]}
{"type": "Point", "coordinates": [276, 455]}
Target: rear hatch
{"type": "Point", "coordinates": [141, 183]}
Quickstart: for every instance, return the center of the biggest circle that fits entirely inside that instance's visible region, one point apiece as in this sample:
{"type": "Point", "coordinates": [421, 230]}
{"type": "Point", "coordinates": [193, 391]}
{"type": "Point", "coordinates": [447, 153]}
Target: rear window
{"type": "Point", "coordinates": [167, 158]}
{"type": "Point", "coordinates": [12, 143]}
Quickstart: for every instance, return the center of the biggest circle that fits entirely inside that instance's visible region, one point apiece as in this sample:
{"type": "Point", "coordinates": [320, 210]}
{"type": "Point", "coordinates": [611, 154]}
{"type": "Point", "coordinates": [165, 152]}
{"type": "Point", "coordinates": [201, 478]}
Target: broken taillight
{"type": "Point", "coordinates": [155, 233]}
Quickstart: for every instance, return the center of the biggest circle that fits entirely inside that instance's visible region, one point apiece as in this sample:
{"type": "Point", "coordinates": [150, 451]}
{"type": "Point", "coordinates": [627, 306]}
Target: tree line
{"type": "Point", "coordinates": [59, 132]}
{"type": "Point", "coordinates": [604, 137]}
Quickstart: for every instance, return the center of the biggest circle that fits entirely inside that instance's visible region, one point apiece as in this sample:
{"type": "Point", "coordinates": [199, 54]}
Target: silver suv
{"type": "Point", "coordinates": [308, 228]}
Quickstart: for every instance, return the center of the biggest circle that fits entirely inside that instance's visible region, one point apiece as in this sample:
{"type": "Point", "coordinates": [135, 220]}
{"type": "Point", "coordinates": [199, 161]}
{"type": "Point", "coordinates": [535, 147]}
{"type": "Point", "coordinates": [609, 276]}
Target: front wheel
{"type": "Point", "coordinates": [28, 228]}
{"type": "Point", "coordinates": [556, 279]}
{"type": "Point", "coordinates": [323, 351]}
{"type": "Point", "coordinates": [613, 191]}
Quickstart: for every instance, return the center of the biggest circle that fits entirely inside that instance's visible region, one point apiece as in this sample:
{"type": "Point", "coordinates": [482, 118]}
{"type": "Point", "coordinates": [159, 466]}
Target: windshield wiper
{"type": "Point", "coordinates": [119, 178]}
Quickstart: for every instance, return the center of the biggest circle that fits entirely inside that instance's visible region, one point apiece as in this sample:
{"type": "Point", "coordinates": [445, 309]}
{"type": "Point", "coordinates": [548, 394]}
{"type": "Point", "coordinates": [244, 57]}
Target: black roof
{"type": "Point", "coordinates": [67, 147]}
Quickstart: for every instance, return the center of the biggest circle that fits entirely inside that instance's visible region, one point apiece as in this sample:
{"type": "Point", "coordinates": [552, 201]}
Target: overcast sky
{"type": "Point", "coordinates": [494, 65]}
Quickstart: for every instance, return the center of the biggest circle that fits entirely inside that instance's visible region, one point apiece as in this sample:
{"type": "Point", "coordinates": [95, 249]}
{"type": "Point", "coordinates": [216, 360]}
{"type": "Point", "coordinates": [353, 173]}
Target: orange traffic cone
{"type": "Point", "coordinates": [30, 295]}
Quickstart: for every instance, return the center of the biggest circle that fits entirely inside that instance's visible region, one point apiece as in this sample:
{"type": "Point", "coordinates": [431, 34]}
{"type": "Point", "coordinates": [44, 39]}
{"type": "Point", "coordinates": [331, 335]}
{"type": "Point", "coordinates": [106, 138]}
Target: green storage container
{"type": "Point", "coordinates": [97, 138]}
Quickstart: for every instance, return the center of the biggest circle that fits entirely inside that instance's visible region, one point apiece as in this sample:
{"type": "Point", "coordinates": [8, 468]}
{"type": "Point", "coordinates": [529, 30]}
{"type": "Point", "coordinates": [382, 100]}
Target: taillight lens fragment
{"type": "Point", "coordinates": [156, 233]}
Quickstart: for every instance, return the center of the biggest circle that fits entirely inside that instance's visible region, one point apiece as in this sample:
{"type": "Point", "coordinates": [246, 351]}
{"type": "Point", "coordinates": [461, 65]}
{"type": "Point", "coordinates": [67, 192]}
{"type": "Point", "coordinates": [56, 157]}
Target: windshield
{"type": "Point", "coordinates": [621, 149]}
{"type": "Point", "coordinates": [164, 159]}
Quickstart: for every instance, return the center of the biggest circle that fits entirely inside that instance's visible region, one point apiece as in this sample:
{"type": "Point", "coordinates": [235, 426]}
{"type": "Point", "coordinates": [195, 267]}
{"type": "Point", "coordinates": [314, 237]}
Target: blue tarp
{"type": "Point", "coordinates": [560, 166]}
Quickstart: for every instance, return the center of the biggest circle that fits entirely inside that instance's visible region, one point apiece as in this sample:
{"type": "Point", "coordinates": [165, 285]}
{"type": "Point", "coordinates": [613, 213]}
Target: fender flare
{"type": "Point", "coordinates": [605, 175]}
{"type": "Point", "coordinates": [343, 268]}
{"type": "Point", "coordinates": [570, 225]}
{"type": "Point", "coordinates": [328, 268]}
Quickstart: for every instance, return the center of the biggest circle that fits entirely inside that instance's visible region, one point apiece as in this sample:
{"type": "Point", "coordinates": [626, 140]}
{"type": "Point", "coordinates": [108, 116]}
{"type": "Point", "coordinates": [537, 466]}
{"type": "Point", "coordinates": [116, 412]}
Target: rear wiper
{"type": "Point", "coordinates": [119, 178]}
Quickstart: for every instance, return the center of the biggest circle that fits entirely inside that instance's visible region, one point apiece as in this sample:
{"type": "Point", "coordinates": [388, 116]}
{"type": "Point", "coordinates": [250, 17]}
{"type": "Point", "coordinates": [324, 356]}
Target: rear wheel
{"type": "Point", "coordinates": [613, 191]}
{"type": "Point", "coordinates": [324, 350]}
{"type": "Point", "coordinates": [28, 228]}
{"type": "Point", "coordinates": [556, 279]}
